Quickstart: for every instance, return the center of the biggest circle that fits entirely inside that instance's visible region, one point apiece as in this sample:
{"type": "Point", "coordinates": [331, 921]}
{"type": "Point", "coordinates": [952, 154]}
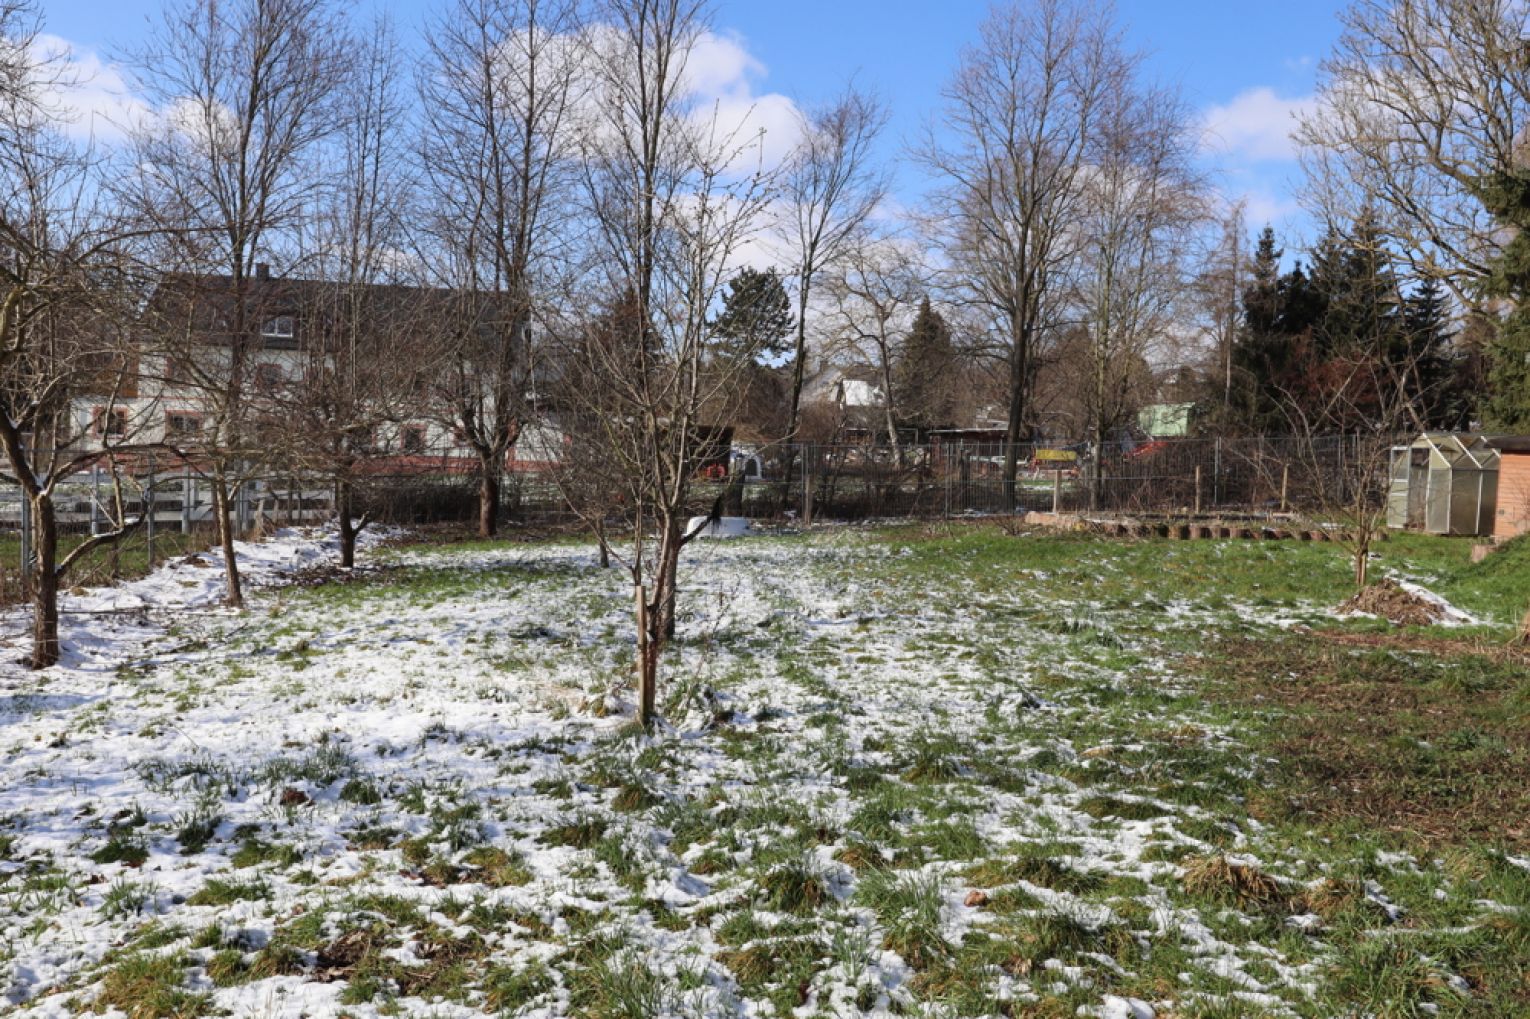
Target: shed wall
{"type": "Point", "coordinates": [1513, 516]}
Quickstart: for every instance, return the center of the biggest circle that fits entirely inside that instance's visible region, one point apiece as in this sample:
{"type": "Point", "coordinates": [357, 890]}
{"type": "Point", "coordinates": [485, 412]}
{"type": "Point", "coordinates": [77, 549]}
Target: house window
{"type": "Point", "coordinates": [282, 327]}
{"type": "Point", "coordinates": [175, 372]}
{"type": "Point", "coordinates": [178, 425]}
{"type": "Point", "coordinates": [109, 421]}
{"type": "Point", "coordinates": [412, 439]}
{"type": "Point", "coordinates": [268, 377]}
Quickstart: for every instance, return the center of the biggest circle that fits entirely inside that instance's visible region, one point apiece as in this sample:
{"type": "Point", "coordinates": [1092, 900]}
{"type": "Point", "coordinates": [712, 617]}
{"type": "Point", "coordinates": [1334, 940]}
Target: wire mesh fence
{"type": "Point", "coordinates": [171, 501]}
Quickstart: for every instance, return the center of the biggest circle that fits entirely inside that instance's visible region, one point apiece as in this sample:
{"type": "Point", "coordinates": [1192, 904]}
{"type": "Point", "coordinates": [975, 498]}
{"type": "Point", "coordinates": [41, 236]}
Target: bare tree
{"type": "Point", "coordinates": [246, 96]}
{"type": "Point", "coordinates": [365, 367]}
{"type": "Point", "coordinates": [1421, 104]}
{"type": "Point", "coordinates": [1142, 202]}
{"type": "Point", "coordinates": [1218, 291]}
{"type": "Point", "coordinates": [501, 78]}
{"type": "Point", "coordinates": [830, 189]}
{"type": "Point", "coordinates": [68, 287]}
{"type": "Point", "coordinates": [669, 209]}
{"type": "Point", "coordinates": [875, 288]}
{"type": "Point", "coordinates": [1021, 113]}
{"type": "Point", "coordinates": [1343, 477]}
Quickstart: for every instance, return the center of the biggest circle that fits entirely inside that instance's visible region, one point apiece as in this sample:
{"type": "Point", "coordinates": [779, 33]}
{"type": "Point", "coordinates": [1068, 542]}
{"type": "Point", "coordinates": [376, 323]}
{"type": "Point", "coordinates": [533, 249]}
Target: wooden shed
{"type": "Point", "coordinates": [1512, 517]}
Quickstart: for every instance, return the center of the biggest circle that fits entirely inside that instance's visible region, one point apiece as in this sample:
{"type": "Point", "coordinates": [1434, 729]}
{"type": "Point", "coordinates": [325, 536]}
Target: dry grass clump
{"type": "Point", "coordinates": [1220, 880]}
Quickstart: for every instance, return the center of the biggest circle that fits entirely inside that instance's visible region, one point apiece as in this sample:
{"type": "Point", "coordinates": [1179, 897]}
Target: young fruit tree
{"type": "Point", "coordinates": [68, 289]}
{"type": "Point", "coordinates": [671, 198]}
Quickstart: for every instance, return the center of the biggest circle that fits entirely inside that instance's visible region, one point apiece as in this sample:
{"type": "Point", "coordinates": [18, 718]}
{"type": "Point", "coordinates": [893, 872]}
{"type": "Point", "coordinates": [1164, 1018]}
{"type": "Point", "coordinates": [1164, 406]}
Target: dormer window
{"type": "Point", "coordinates": [282, 327]}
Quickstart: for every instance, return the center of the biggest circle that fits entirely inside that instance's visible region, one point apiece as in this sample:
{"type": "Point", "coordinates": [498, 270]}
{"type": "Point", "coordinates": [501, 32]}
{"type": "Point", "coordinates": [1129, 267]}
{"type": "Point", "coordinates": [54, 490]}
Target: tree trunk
{"type": "Point", "coordinates": [1015, 425]}
{"type": "Point", "coordinates": [234, 597]}
{"type": "Point", "coordinates": [45, 643]}
{"type": "Point", "coordinates": [656, 618]}
{"type": "Point", "coordinates": [348, 531]}
{"type": "Point", "coordinates": [488, 502]}
{"type": "Point", "coordinates": [1362, 563]}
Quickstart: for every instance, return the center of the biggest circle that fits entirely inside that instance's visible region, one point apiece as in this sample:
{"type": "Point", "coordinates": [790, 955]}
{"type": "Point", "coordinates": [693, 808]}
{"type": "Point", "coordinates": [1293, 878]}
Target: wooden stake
{"type": "Point", "coordinates": [807, 492]}
{"type": "Point", "coordinates": [1197, 489]}
{"type": "Point", "coordinates": [645, 670]}
{"type": "Point", "coordinates": [1285, 482]}
{"type": "Point", "coordinates": [1056, 491]}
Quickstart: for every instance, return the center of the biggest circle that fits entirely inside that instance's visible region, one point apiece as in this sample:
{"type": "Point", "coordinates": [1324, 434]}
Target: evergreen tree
{"type": "Point", "coordinates": [1257, 346]}
{"type": "Point", "coordinates": [1271, 350]}
{"type": "Point", "coordinates": [922, 383]}
{"type": "Point", "coordinates": [1438, 384]}
{"type": "Point", "coordinates": [1507, 197]}
{"type": "Point", "coordinates": [756, 316]}
{"type": "Point", "coordinates": [1359, 354]}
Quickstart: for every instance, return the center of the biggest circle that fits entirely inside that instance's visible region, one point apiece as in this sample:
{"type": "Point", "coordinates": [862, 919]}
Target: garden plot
{"type": "Point", "coordinates": [961, 778]}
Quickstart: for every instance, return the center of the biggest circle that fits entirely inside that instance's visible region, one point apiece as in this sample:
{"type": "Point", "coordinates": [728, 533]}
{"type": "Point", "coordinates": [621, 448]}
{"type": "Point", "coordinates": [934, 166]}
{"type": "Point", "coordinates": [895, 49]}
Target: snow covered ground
{"type": "Point", "coordinates": [417, 790]}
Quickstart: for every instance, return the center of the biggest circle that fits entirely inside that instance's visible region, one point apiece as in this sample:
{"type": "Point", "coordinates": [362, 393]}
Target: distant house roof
{"type": "Point", "coordinates": [286, 312]}
{"type": "Point", "coordinates": [854, 386]}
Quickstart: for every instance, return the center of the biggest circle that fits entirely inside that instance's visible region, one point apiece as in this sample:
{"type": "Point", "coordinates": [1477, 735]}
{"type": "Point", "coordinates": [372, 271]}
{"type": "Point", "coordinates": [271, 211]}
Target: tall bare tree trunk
{"type": "Point", "coordinates": [234, 596]}
{"type": "Point", "coordinates": [1018, 369]}
{"type": "Point", "coordinates": [45, 643]}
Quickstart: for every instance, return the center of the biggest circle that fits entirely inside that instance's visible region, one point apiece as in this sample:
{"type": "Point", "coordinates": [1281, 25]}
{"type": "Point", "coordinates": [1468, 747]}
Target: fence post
{"type": "Point", "coordinates": [188, 496]}
{"type": "Point", "coordinates": [95, 498]}
{"type": "Point", "coordinates": [1056, 490]}
{"type": "Point", "coordinates": [1197, 489]}
{"type": "Point", "coordinates": [242, 506]}
{"type": "Point", "coordinates": [1216, 472]}
{"type": "Point", "coordinates": [807, 487]}
{"type": "Point", "coordinates": [1285, 484]}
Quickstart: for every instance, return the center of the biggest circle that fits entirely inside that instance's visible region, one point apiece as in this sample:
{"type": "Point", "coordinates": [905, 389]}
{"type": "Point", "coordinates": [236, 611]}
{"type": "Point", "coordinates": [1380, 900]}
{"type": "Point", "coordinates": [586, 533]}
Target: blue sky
{"type": "Point", "coordinates": [1245, 67]}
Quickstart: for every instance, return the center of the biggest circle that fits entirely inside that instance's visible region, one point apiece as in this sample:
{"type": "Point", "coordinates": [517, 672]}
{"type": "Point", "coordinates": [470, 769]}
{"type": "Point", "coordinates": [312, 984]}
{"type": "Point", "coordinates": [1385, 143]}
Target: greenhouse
{"type": "Point", "coordinates": [1444, 483]}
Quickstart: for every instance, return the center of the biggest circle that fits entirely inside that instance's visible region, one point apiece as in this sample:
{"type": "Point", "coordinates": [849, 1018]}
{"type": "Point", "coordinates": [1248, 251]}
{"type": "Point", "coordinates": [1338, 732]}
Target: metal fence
{"type": "Point", "coordinates": [1180, 477]}
{"type": "Point", "coordinates": [802, 483]}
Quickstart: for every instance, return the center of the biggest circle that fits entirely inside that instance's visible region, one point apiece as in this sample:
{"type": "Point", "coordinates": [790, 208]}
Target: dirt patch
{"type": "Point", "coordinates": [1388, 600]}
{"type": "Point", "coordinates": [1496, 651]}
{"type": "Point", "coordinates": [1424, 742]}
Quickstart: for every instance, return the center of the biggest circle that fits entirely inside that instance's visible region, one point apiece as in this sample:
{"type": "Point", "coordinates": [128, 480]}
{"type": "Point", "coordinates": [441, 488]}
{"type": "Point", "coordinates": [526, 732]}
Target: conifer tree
{"type": "Point", "coordinates": [1507, 197]}
{"type": "Point", "coordinates": [756, 316]}
{"type": "Point", "coordinates": [922, 382]}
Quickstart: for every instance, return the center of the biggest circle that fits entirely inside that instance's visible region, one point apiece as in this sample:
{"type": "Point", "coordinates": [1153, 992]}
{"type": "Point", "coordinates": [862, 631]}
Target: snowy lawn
{"type": "Point", "coordinates": [904, 774]}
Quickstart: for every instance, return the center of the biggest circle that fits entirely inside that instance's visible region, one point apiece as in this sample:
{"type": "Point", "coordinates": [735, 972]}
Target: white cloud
{"type": "Point", "coordinates": [1256, 125]}
{"type": "Point", "coordinates": [91, 96]}
{"type": "Point", "coordinates": [1262, 208]}
{"type": "Point", "coordinates": [720, 76]}
{"type": "Point", "coordinates": [719, 65]}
